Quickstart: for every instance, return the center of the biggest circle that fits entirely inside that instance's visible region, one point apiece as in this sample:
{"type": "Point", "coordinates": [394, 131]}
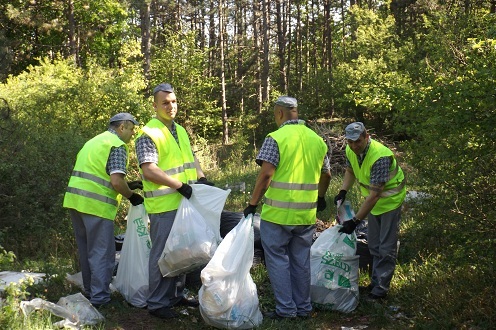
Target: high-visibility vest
{"type": "Point", "coordinates": [291, 198]}
{"type": "Point", "coordinates": [175, 160]}
{"type": "Point", "coordinates": [89, 189]}
{"type": "Point", "coordinates": [394, 190]}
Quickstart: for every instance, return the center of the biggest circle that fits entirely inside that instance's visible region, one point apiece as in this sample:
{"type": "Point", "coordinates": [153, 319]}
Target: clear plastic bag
{"type": "Point", "coordinates": [131, 279]}
{"type": "Point", "coordinates": [195, 234]}
{"type": "Point", "coordinates": [228, 296]}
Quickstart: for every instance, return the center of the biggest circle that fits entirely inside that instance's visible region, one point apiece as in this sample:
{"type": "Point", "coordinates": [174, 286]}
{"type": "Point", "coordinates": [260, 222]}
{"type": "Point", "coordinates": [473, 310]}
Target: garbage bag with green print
{"type": "Point", "coordinates": [334, 271]}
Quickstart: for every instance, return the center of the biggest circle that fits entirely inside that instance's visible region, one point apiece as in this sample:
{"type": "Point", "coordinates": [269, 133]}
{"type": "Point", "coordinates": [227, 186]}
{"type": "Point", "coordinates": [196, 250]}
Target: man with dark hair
{"type": "Point", "coordinates": [168, 167]}
{"type": "Point", "coordinates": [382, 183]}
{"type": "Point", "coordinates": [93, 196]}
{"type": "Point", "coordinates": [294, 178]}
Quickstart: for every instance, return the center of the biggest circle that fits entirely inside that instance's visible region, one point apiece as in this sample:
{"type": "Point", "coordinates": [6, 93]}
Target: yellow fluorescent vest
{"type": "Point", "coordinates": [394, 191]}
{"type": "Point", "coordinates": [291, 198]}
{"type": "Point", "coordinates": [89, 189]}
{"type": "Point", "coordinates": [175, 160]}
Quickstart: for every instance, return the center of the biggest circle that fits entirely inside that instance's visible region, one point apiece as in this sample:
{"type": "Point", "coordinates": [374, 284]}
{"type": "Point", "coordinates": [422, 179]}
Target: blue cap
{"type": "Point", "coordinates": [287, 102]}
{"type": "Point", "coordinates": [354, 130]}
{"type": "Point", "coordinates": [164, 87]}
{"type": "Point", "coordinates": [123, 116]}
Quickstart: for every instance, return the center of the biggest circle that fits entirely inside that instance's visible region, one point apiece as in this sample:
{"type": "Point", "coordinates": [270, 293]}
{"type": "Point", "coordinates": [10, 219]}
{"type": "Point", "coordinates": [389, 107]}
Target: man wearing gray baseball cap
{"type": "Point", "coordinates": [168, 167]}
{"type": "Point", "coordinates": [382, 183]}
{"type": "Point", "coordinates": [294, 177]}
{"type": "Point", "coordinates": [93, 195]}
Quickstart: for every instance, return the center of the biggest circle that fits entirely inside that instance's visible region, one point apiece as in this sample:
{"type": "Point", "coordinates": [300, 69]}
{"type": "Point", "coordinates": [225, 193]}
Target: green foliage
{"type": "Point", "coordinates": [181, 64]}
{"type": "Point", "coordinates": [52, 110]}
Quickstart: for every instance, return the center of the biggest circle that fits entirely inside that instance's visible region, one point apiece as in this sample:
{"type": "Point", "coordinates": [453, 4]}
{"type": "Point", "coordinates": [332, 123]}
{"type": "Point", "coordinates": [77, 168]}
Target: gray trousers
{"type": "Point", "coordinates": [287, 258]}
{"type": "Point", "coordinates": [383, 245]}
{"type": "Point", "coordinates": [164, 291]}
{"type": "Point", "coordinates": [96, 248]}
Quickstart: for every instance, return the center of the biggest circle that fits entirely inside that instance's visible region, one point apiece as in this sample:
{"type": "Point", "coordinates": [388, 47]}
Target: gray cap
{"type": "Point", "coordinates": [287, 102]}
{"type": "Point", "coordinates": [354, 130]}
{"type": "Point", "coordinates": [123, 116]}
{"type": "Point", "coordinates": [164, 87]}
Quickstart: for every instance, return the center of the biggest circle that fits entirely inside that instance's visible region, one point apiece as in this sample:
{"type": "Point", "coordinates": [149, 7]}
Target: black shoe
{"type": "Point", "coordinates": [99, 306]}
{"type": "Point", "coordinates": [163, 313]}
{"type": "Point", "coordinates": [373, 297]}
{"type": "Point", "coordinates": [188, 302]}
{"type": "Point", "coordinates": [367, 288]}
{"type": "Point", "coordinates": [275, 316]}
{"type": "Point", "coordinates": [304, 316]}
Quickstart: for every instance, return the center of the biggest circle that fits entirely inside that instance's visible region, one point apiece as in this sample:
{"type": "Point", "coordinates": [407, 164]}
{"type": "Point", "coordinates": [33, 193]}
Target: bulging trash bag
{"type": "Point", "coordinates": [228, 296]}
{"type": "Point", "coordinates": [334, 271]}
{"type": "Point", "coordinates": [131, 279]}
{"type": "Point", "coordinates": [195, 234]}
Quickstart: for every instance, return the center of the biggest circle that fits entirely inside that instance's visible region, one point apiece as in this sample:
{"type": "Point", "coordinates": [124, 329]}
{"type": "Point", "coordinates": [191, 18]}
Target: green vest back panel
{"type": "Point", "coordinates": [89, 189]}
{"type": "Point", "coordinates": [292, 195]}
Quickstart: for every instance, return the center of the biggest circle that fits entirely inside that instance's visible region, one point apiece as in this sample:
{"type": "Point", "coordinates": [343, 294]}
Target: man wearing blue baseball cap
{"type": "Point", "coordinates": [382, 183]}
{"type": "Point", "coordinates": [294, 177]}
{"type": "Point", "coordinates": [93, 195]}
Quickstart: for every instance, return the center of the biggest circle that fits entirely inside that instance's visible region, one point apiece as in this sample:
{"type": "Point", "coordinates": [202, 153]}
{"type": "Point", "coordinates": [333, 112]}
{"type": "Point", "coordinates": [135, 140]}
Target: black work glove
{"type": "Point", "coordinates": [349, 226]}
{"type": "Point", "coordinates": [250, 209]}
{"type": "Point", "coordinates": [203, 180]}
{"type": "Point", "coordinates": [136, 199]}
{"type": "Point", "coordinates": [133, 185]}
{"type": "Point", "coordinates": [321, 204]}
{"type": "Point", "coordinates": [185, 190]}
{"type": "Point", "coordinates": [341, 196]}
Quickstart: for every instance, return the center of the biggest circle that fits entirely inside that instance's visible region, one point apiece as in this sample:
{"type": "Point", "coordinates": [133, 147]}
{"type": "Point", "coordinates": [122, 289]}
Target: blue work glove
{"type": "Point", "coordinates": [203, 180]}
{"type": "Point", "coordinates": [349, 226]}
{"type": "Point", "coordinates": [185, 190]}
{"type": "Point", "coordinates": [135, 185]}
{"type": "Point", "coordinates": [136, 199]}
{"type": "Point", "coordinates": [250, 209]}
{"type": "Point", "coordinates": [321, 204]}
{"type": "Point", "coordinates": [341, 196]}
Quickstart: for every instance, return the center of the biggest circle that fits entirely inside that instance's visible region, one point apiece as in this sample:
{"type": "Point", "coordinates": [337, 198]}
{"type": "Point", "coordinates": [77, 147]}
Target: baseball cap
{"type": "Point", "coordinates": [287, 102]}
{"type": "Point", "coordinates": [164, 87]}
{"type": "Point", "coordinates": [123, 116]}
{"type": "Point", "coordinates": [354, 130]}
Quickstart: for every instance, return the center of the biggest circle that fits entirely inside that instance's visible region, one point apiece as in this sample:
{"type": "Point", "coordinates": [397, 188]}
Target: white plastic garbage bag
{"type": "Point", "coordinates": [195, 234]}
{"type": "Point", "coordinates": [334, 271]}
{"type": "Point", "coordinates": [131, 279]}
{"type": "Point", "coordinates": [75, 309]}
{"type": "Point", "coordinates": [228, 296]}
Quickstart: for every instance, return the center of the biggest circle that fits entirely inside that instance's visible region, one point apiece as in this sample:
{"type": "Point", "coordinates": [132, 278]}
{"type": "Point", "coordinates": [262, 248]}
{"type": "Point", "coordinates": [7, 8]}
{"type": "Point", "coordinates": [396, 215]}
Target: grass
{"type": "Point", "coordinates": [444, 279]}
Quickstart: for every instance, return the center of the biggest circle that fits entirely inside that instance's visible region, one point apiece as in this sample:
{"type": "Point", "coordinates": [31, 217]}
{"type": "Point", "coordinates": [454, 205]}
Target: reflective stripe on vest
{"type": "Point", "coordinates": [389, 192]}
{"type": "Point", "coordinates": [290, 205]}
{"type": "Point", "coordinates": [294, 186]}
{"type": "Point", "coordinates": [92, 195]}
{"type": "Point", "coordinates": [93, 178]}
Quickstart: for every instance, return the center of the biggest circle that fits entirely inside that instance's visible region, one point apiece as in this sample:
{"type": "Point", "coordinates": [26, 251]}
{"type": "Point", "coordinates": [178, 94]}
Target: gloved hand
{"type": "Point", "coordinates": [321, 204]}
{"type": "Point", "coordinates": [349, 226]}
{"type": "Point", "coordinates": [185, 190]}
{"type": "Point", "coordinates": [341, 196]}
{"type": "Point", "coordinates": [250, 209]}
{"type": "Point", "coordinates": [135, 185]}
{"type": "Point", "coordinates": [136, 199]}
{"type": "Point", "coordinates": [203, 180]}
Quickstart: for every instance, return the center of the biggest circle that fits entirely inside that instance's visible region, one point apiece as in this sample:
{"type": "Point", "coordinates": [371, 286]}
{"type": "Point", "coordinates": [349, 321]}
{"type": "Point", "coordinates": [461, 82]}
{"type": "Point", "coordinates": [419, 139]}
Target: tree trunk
{"type": "Point", "coordinates": [225, 128]}
{"type": "Point", "coordinates": [73, 50]}
{"type": "Point", "coordinates": [266, 65]}
{"type": "Point", "coordinates": [145, 38]}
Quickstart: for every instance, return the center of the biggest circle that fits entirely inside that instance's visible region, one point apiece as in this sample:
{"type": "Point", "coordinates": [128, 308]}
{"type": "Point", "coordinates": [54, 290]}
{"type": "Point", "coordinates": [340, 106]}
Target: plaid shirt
{"type": "Point", "coordinates": [146, 150]}
{"type": "Point", "coordinates": [269, 152]}
{"type": "Point", "coordinates": [379, 174]}
{"type": "Point", "coordinates": [117, 159]}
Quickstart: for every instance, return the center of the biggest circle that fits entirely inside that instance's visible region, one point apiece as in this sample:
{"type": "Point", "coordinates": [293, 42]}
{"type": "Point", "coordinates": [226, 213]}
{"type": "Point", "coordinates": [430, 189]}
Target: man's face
{"type": "Point", "coordinates": [165, 106]}
{"type": "Point", "coordinates": [359, 145]}
{"type": "Point", "coordinates": [126, 131]}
